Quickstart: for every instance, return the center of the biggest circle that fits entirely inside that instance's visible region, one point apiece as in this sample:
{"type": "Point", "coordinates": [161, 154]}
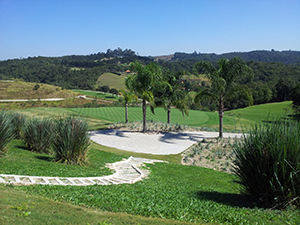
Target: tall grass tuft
{"type": "Point", "coordinates": [38, 134]}
{"type": "Point", "coordinates": [268, 163]}
{"type": "Point", "coordinates": [18, 122]}
{"type": "Point", "coordinates": [71, 140]}
{"type": "Point", "coordinates": [6, 130]}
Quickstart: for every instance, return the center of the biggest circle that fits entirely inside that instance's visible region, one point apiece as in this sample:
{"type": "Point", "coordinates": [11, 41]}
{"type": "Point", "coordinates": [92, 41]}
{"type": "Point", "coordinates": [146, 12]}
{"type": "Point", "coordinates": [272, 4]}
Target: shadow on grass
{"type": "Point", "coordinates": [45, 158]}
{"type": "Point", "coordinates": [23, 147]}
{"type": "Point", "coordinates": [235, 200]}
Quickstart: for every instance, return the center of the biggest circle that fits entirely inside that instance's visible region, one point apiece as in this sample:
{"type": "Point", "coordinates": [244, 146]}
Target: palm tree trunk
{"type": "Point", "coordinates": [144, 117]}
{"type": "Point", "coordinates": [169, 114]}
{"type": "Point", "coordinates": [221, 113]}
{"type": "Point", "coordinates": [126, 112]}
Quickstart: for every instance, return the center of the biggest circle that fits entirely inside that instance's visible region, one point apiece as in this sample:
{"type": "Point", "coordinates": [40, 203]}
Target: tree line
{"type": "Point", "coordinates": [272, 81]}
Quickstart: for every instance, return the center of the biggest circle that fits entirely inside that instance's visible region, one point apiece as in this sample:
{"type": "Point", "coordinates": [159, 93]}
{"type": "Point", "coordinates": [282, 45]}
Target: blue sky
{"type": "Point", "coordinates": [149, 27]}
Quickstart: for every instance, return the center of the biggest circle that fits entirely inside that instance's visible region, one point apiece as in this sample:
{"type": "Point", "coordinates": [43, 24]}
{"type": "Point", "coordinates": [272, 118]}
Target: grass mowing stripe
{"type": "Point", "coordinates": [117, 114]}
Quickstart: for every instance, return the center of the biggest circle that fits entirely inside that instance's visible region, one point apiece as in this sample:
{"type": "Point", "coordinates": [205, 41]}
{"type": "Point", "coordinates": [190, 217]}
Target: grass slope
{"type": "Point", "coordinates": [24, 90]}
{"type": "Point", "coordinates": [172, 191]}
{"type": "Point", "coordinates": [111, 80]}
{"type": "Point", "coordinates": [256, 113]}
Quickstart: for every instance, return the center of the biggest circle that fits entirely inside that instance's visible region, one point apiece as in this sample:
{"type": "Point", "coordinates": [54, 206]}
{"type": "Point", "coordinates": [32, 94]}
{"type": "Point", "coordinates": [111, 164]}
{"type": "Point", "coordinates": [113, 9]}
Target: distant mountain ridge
{"type": "Point", "coordinates": [285, 57]}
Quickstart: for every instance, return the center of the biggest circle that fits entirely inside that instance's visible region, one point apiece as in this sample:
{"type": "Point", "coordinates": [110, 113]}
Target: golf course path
{"type": "Point", "coordinates": [126, 172]}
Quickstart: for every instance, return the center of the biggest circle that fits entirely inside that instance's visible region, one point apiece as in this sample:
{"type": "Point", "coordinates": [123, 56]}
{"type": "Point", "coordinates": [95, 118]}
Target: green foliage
{"type": "Point", "coordinates": [71, 140]}
{"type": "Point", "coordinates": [104, 88]}
{"type": "Point", "coordinates": [268, 163]}
{"type": "Point", "coordinates": [142, 84]}
{"type": "Point", "coordinates": [38, 134]}
{"type": "Point", "coordinates": [296, 98]}
{"type": "Point", "coordinates": [6, 130]}
{"type": "Point", "coordinates": [114, 91]}
{"type": "Point", "coordinates": [224, 83]}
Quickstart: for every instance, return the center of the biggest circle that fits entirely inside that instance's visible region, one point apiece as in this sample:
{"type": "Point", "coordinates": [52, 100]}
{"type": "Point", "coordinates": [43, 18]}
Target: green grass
{"type": "Point", "coordinates": [254, 114]}
{"type": "Point", "coordinates": [172, 191]}
{"type": "Point", "coordinates": [111, 80]}
{"type": "Point", "coordinates": [20, 207]}
{"type": "Point", "coordinates": [98, 95]}
{"type": "Point", "coordinates": [101, 117]}
{"type": "Point", "coordinates": [21, 161]}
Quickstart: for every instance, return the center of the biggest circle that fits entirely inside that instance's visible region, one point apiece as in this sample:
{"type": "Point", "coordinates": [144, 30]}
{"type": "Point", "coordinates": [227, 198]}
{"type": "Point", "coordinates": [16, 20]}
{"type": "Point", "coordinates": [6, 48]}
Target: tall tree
{"type": "Point", "coordinates": [128, 97]}
{"type": "Point", "coordinates": [142, 83]}
{"type": "Point", "coordinates": [224, 78]}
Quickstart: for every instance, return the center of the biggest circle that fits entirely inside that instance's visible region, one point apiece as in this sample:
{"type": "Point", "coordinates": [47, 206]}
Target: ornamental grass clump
{"type": "Point", "coordinates": [6, 130]}
{"type": "Point", "coordinates": [38, 134]}
{"type": "Point", "coordinates": [18, 122]}
{"type": "Point", "coordinates": [71, 140]}
{"type": "Point", "coordinates": [268, 163]}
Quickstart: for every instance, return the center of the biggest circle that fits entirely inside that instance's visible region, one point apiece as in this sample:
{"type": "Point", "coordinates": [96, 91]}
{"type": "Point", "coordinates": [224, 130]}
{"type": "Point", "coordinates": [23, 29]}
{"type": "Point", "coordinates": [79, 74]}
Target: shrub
{"type": "Point", "coordinates": [36, 87]}
{"type": "Point", "coordinates": [114, 91]}
{"type": "Point", "coordinates": [6, 130]}
{"type": "Point", "coordinates": [71, 140]}
{"type": "Point", "coordinates": [38, 134]}
{"type": "Point", "coordinates": [268, 163]}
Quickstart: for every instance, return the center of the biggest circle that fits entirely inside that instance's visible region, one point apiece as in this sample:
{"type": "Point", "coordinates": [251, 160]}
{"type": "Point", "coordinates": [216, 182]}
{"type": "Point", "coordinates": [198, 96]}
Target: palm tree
{"type": "Point", "coordinates": [128, 97]}
{"type": "Point", "coordinates": [224, 80]}
{"type": "Point", "coordinates": [168, 93]}
{"type": "Point", "coordinates": [142, 83]}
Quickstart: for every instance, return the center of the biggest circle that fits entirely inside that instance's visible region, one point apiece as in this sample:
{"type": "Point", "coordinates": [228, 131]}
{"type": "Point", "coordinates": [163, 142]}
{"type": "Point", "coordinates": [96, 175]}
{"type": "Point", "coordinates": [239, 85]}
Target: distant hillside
{"type": "Point", "coordinates": [285, 57]}
{"type": "Point", "coordinates": [83, 71]}
{"type": "Point", "coordinates": [17, 89]}
{"type": "Point", "coordinates": [111, 80]}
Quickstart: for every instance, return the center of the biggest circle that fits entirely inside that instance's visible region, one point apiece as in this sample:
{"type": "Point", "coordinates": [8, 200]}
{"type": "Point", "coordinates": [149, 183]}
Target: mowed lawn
{"type": "Point", "coordinates": [248, 116]}
{"type": "Point", "coordinates": [117, 114]}
{"type": "Point", "coordinates": [100, 117]}
{"type": "Point", "coordinates": [256, 113]}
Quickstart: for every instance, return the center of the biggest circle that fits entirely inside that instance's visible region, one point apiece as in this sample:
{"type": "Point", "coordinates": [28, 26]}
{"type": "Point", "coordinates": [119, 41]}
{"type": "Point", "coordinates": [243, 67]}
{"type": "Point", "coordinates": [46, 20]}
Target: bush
{"type": "Point", "coordinates": [36, 87]}
{"type": "Point", "coordinates": [6, 130]}
{"type": "Point", "coordinates": [38, 134]}
{"type": "Point", "coordinates": [71, 140]}
{"type": "Point", "coordinates": [268, 163]}
{"type": "Point", "coordinates": [114, 91]}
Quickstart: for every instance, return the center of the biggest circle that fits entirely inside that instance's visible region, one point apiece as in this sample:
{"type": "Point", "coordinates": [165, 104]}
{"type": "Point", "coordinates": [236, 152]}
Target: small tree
{"type": "Point", "coordinates": [128, 97]}
{"type": "Point", "coordinates": [169, 93]}
{"type": "Point", "coordinates": [36, 87]}
{"type": "Point", "coordinates": [104, 88]}
{"type": "Point", "coordinates": [114, 91]}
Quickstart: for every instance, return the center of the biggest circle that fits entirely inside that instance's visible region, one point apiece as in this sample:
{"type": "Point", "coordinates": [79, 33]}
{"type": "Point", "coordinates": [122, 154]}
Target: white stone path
{"type": "Point", "coordinates": [127, 172]}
